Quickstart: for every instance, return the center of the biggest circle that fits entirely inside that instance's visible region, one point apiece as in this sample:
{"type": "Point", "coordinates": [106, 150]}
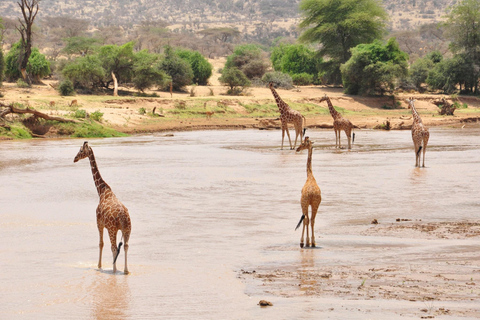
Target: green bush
{"type": "Point", "coordinates": [142, 111]}
{"type": "Point", "coordinates": [374, 68]}
{"type": "Point", "coordinates": [85, 72]}
{"type": "Point", "coordinates": [302, 79]}
{"type": "Point", "coordinates": [178, 69]}
{"type": "Point", "coordinates": [279, 79]}
{"type": "Point", "coordinates": [145, 75]}
{"type": "Point", "coordinates": [2, 66]}
{"type": "Point", "coordinates": [66, 88]}
{"type": "Point", "coordinates": [82, 114]}
{"type": "Point", "coordinates": [37, 67]}
{"type": "Point", "coordinates": [22, 84]}
{"type": "Point", "coordinates": [202, 69]}
{"type": "Point", "coordinates": [249, 59]}
{"type": "Point", "coordinates": [235, 79]}
{"type": "Point", "coordinates": [97, 115]}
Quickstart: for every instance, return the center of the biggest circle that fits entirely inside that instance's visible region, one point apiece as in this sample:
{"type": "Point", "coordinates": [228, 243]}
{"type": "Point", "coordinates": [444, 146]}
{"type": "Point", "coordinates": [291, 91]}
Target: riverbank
{"type": "Point", "coordinates": [162, 111]}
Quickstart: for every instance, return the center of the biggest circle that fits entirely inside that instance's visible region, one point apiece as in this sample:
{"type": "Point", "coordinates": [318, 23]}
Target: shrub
{"type": "Point", "coordinates": [145, 75]}
{"type": "Point", "coordinates": [80, 114]}
{"type": "Point", "coordinates": [85, 72]}
{"type": "Point", "coordinates": [234, 78]}
{"type": "Point", "coordinates": [202, 69]}
{"type": "Point", "coordinates": [97, 115]}
{"type": "Point", "coordinates": [37, 67]}
{"type": "Point", "coordinates": [249, 59]}
{"type": "Point", "coordinates": [66, 88]}
{"type": "Point", "coordinates": [281, 80]}
{"type": "Point", "coordinates": [178, 69]}
{"type": "Point", "coordinates": [142, 111]}
{"type": "Point", "coordinates": [302, 79]}
{"type": "Point", "coordinates": [22, 84]}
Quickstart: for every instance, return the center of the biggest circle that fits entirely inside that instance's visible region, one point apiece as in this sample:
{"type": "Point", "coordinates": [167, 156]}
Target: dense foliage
{"type": "Point", "coordinates": [249, 59]}
{"type": "Point", "coordinates": [37, 66]}
{"type": "Point", "coordinates": [374, 68]}
{"type": "Point", "coordinates": [176, 68]}
{"type": "Point", "coordinates": [201, 68]}
{"type": "Point", "coordinates": [235, 79]}
{"type": "Point", "coordinates": [338, 26]}
{"type": "Point", "coordinates": [300, 62]}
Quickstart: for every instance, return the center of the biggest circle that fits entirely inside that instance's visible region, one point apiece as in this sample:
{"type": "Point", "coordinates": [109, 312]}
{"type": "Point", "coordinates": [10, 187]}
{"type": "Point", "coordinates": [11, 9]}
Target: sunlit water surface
{"type": "Point", "coordinates": [204, 205]}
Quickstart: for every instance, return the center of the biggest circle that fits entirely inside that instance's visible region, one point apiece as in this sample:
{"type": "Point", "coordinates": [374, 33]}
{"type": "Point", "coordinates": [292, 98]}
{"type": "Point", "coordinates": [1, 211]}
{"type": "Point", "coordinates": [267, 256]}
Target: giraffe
{"type": "Point", "coordinates": [111, 213]}
{"type": "Point", "coordinates": [288, 115]}
{"type": "Point", "coordinates": [420, 134]}
{"type": "Point", "coordinates": [311, 195]}
{"type": "Point", "coordinates": [339, 124]}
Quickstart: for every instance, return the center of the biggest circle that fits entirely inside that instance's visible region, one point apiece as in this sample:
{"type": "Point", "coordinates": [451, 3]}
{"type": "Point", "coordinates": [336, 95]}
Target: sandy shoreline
{"type": "Point", "coordinates": [124, 113]}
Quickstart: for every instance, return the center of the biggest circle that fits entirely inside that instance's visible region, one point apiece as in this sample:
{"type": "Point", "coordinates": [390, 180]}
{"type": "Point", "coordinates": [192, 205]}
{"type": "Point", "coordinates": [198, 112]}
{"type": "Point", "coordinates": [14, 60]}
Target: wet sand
{"type": "Point", "coordinates": [213, 215]}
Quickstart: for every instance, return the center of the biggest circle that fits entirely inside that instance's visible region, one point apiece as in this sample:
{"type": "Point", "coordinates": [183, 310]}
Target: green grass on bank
{"type": "Point", "coordinates": [84, 129]}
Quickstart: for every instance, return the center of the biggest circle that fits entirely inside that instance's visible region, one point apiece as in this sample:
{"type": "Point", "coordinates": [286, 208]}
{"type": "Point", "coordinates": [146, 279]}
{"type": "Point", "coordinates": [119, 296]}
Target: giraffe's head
{"type": "Point", "coordinates": [306, 144]}
{"type": "Point", "coordinates": [410, 102]}
{"type": "Point", "coordinates": [323, 98]}
{"type": "Point", "coordinates": [270, 85]}
{"type": "Point", "coordinates": [83, 153]}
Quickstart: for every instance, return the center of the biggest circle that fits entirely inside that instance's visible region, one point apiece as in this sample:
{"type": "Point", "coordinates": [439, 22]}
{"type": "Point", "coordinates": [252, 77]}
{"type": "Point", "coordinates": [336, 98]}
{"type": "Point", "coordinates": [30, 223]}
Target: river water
{"type": "Point", "coordinates": [205, 205]}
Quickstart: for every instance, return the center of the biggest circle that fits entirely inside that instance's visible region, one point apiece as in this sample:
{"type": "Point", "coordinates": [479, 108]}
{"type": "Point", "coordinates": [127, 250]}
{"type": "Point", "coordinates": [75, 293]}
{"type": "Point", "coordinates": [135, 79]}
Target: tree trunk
{"type": "Point", "coordinates": [115, 85]}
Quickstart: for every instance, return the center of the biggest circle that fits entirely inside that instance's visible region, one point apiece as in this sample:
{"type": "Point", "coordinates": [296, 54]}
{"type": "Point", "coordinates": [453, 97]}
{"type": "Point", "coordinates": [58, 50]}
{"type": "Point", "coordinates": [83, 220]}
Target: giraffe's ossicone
{"type": "Point", "coordinates": [111, 213]}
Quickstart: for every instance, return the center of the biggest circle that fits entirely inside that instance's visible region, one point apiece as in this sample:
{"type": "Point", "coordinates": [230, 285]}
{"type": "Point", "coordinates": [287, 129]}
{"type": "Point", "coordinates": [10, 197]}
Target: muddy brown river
{"type": "Point", "coordinates": [213, 217]}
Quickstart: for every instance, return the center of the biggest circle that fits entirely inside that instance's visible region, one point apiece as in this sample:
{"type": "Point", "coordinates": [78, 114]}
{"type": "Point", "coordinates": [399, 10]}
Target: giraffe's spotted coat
{"type": "Point", "coordinates": [339, 123]}
{"type": "Point", "coordinates": [311, 195]}
{"type": "Point", "coordinates": [420, 134]}
{"type": "Point", "coordinates": [111, 213]}
{"type": "Point", "coordinates": [288, 115]}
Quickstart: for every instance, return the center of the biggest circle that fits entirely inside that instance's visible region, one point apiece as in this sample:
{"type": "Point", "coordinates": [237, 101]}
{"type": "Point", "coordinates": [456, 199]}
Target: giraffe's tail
{"type": "Point", "coordinates": [304, 125]}
{"type": "Point", "coordinates": [353, 137]}
{"type": "Point", "coordinates": [419, 149]}
{"type": "Point", "coordinates": [300, 222]}
{"type": "Point", "coordinates": [118, 252]}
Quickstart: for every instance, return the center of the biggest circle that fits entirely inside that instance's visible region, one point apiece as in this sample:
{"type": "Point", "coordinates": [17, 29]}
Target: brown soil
{"type": "Point", "coordinates": [122, 113]}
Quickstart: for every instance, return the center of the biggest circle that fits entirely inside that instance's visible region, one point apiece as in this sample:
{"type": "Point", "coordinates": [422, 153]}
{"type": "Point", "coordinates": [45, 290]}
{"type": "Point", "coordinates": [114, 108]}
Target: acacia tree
{"type": "Point", "coordinates": [463, 27]}
{"type": "Point", "coordinates": [29, 10]}
{"type": "Point", "coordinates": [338, 26]}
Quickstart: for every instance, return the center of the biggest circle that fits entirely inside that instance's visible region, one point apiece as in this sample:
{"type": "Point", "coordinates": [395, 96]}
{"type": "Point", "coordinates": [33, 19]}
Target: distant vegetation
{"type": "Point", "coordinates": [341, 42]}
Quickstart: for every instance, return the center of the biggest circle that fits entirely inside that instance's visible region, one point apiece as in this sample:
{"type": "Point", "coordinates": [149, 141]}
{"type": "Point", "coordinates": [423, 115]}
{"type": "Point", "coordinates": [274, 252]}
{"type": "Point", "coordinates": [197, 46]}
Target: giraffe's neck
{"type": "Point", "coordinates": [282, 106]}
{"type": "Point", "coordinates": [309, 162]}
{"type": "Point", "coordinates": [100, 184]}
{"type": "Point", "coordinates": [416, 117]}
{"type": "Point", "coordinates": [335, 114]}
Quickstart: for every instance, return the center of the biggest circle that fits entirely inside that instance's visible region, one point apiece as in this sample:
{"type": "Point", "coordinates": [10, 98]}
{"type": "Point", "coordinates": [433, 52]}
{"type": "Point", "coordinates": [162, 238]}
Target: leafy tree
{"type": "Point", "coordinates": [119, 60]}
{"type": "Point", "coordinates": [419, 71]}
{"type": "Point", "coordinates": [37, 66]}
{"type": "Point", "coordinates": [66, 88]}
{"type": "Point", "coordinates": [202, 69]}
{"type": "Point", "coordinates": [85, 72]}
{"type": "Point", "coordinates": [145, 75]}
{"type": "Point", "coordinates": [178, 69]}
{"type": "Point", "coordinates": [373, 68]}
{"type": "Point", "coordinates": [234, 78]}
{"type": "Point", "coordinates": [279, 79]}
{"type": "Point", "coordinates": [463, 27]}
{"type": "Point", "coordinates": [449, 73]}
{"type": "Point", "coordinates": [80, 45]}
{"type": "Point", "coordinates": [249, 59]}
{"type": "Point", "coordinates": [294, 59]}
{"type": "Point", "coordinates": [339, 25]}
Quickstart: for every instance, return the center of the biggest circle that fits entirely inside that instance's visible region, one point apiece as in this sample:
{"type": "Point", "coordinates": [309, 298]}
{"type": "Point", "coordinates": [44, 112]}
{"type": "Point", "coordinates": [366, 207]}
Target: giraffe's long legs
{"type": "Point", "coordinates": [288, 135]}
{"type": "Point", "coordinates": [125, 248]}
{"type": "Point", "coordinates": [312, 222]}
{"type": "Point", "coordinates": [112, 233]}
{"type": "Point", "coordinates": [305, 224]}
{"type": "Point", "coordinates": [348, 134]}
{"type": "Point", "coordinates": [100, 246]}
{"type": "Point", "coordinates": [425, 142]}
{"type": "Point", "coordinates": [336, 142]}
{"type": "Point", "coordinates": [283, 135]}
{"type": "Point", "coordinates": [339, 143]}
